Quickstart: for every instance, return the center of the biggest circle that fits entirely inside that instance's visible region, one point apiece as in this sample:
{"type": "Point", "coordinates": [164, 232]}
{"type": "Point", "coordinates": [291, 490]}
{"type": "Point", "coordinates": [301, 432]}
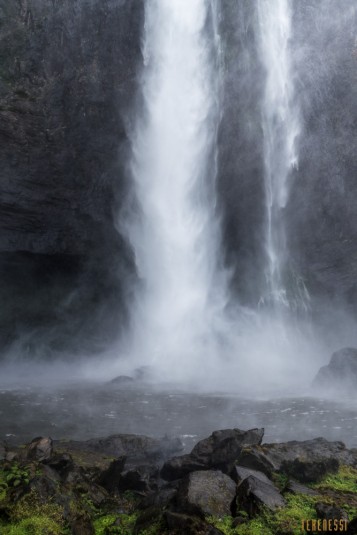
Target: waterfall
{"type": "Point", "coordinates": [281, 128]}
{"type": "Point", "coordinates": [174, 229]}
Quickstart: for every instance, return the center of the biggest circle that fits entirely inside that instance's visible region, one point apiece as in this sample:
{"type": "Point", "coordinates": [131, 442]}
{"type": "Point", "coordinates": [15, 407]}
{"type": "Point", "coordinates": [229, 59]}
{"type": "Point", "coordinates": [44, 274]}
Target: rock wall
{"type": "Point", "coordinates": [67, 79]}
{"type": "Point", "coordinates": [320, 218]}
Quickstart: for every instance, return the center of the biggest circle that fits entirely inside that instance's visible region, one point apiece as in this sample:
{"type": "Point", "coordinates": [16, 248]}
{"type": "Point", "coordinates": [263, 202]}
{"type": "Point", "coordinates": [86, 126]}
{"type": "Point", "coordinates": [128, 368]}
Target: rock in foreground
{"type": "Point", "coordinates": [113, 485]}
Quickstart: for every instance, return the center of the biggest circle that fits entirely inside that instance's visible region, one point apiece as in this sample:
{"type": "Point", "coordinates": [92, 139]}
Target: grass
{"type": "Point", "coordinates": [339, 489]}
{"type": "Point", "coordinates": [105, 524]}
{"type": "Point", "coordinates": [344, 481]}
{"type": "Point", "coordinates": [12, 476]}
{"type": "Point", "coordinates": [30, 516]}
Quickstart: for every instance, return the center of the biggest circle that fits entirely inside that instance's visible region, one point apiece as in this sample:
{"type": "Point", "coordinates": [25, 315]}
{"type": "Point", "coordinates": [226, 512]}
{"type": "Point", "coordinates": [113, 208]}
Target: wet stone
{"type": "Point", "coordinates": [253, 494]}
{"type": "Point", "coordinates": [208, 492]}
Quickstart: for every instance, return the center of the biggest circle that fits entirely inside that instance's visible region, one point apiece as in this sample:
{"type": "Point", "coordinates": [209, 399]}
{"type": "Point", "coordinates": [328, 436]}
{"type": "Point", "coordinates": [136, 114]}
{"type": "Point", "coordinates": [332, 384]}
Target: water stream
{"type": "Point", "coordinates": [281, 128]}
{"type": "Point", "coordinates": [174, 229]}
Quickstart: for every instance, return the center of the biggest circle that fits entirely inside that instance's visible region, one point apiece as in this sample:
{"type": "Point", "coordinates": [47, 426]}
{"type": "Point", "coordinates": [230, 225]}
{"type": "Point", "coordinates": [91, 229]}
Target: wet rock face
{"type": "Point", "coordinates": [40, 449]}
{"type": "Point", "coordinates": [220, 450]}
{"type": "Point", "coordinates": [68, 76]}
{"type": "Point", "coordinates": [340, 373]}
{"type": "Point", "coordinates": [208, 492]}
{"type": "Point", "coordinates": [306, 461]}
{"type": "Point", "coordinates": [254, 494]}
{"type": "Point", "coordinates": [67, 83]}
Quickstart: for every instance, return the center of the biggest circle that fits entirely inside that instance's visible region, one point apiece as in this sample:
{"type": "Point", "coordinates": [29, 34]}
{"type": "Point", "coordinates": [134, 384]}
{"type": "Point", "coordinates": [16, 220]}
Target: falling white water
{"type": "Point", "coordinates": [174, 232]}
{"type": "Point", "coordinates": [281, 128]}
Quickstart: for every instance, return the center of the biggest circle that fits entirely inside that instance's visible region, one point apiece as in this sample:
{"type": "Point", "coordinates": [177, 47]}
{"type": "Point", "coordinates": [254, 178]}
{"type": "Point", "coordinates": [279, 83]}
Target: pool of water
{"type": "Point", "coordinates": [80, 412]}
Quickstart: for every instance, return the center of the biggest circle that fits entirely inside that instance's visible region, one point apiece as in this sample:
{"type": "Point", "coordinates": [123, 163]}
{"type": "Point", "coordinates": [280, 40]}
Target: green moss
{"type": "Point", "coordinates": [257, 526]}
{"type": "Point", "coordinates": [280, 480]}
{"type": "Point", "coordinates": [105, 524]}
{"type": "Point", "coordinates": [344, 481]}
{"type": "Point", "coordinates": [224, 524]}
{"type": "Point", "coordinates": [288, 519]}
{"type": "Point", "coordinates": [31, 506]}
{"type": "Point", "coordinates": [154, 529]}
{"type": "Point", "coordinates": [12, 475]}
{"type": "Point", "coordinates": [35, 525]}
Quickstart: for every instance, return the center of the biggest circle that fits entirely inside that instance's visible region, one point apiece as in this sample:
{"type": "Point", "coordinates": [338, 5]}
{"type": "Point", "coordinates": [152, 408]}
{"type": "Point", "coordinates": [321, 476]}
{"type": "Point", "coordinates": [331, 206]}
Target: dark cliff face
{"type": "Point", "coordinates": [321, 219]}
{"type": "Point", "coordinates": [240, 175]}
{"type": "Point", "coordinates": [67, 79]}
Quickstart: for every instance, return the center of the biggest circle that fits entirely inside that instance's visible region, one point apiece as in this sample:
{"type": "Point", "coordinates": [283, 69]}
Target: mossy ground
{"type": "Point", "coordinates": [31, 516]}
{"type": "Point", "coordinates": [339, 489]}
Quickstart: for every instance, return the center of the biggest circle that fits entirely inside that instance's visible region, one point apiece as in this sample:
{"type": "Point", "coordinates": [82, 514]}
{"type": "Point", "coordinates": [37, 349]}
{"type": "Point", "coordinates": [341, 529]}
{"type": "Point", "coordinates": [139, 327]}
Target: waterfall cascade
{"type": "Point", "coordinates": [179, 320]}
{"type": "Point", "coordinates": [281, 128]}
{"type": "Point", "coordinates": [175, 231]}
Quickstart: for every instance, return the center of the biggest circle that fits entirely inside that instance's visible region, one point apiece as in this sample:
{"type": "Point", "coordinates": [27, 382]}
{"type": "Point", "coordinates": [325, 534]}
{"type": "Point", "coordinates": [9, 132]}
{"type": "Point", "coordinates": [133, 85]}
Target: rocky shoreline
{"type": "Point", "coordinates": [230, 483]}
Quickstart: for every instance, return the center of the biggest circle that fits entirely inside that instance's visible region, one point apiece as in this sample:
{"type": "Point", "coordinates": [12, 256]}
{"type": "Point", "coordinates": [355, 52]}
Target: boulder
{"type": "Point", "coordinates": [179, 523]}
{"type": "Point", "coordinates": [293, 487]}
{"type": "Point", "coordinates": [340, 373]}
{"type": "Point", "coordinates": [253, 494]}
{"type": "Point", "coordinates": [220, 450]}
{"type": "Point", "coordinates": [40, 449]}
{"type": "Point", "coordinates": [207, 492]}
{"type": "Point", "coordinates": [161, 498]}
{"type": "Point", "coordinates": [109, 478]}
{"type": "Point", "coordinates": [46, 488]}
{"type": "Point", "coordinates": [143, 478]}
{"type": "Point", "coordinates": [178, 467]}
{"type": "Point", "coordinates": [309, 460]}
{"type": "Point", "coordinates": [255, 458]}
{"type": "Point", "coordinates": [225, 446]}
{"type": "Point", "coordinates": [122, 380]}
{"type": "Point", "coordinates": [61, 463]}
{"type": "Point", "coordinates": [137, 449]}
{"type": "Point", "coordinates": [330, 512]}
{"type": "Point", "coordinates": [240, 473]}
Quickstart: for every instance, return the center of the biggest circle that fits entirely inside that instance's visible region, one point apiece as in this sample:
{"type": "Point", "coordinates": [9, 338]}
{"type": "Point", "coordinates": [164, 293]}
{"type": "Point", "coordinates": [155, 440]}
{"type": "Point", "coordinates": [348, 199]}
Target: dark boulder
{"type": "Point", "coordinates": [40, 449]}
{"type": "Point", "coordinates": [293, 487]}
{"type": "Point", "coordinates": [143, 478]}
{"type": "Point", "coordinates": [253, 494]}
{"type": "Point", "coordinates": [255, 458]}
{"type": "Point", "coordinates": [309, 460]}
{"type": "Point", "coordinates": [137, 449]}
{"type": "Point", "coordinates": [340, 373]}
{"type": "Point", "coordinates": [225, 446]}
{"type": "Point", "coordinates": [183, 524]}
{"type": "Point", "coordinates": [45, 487]}
{"type": "Point", "coordinates": [122, 380]}
{"type": "Point", "coordinates": [220, 450]}
{"type": "Point", "coordinates": [109, 478]}
{"type": "Point", "coordinates": [178, 467]}
{"type": "Point", "coordinates": [330, 512]}
{"type": "Point", "coordinates": [164, 496]}
{"type": "Point", "coordinates": [240, 473]}
{"type": "Point", "coordinates": [61, 463]}
{"type": "Point", "coordinates": [207, 492]}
